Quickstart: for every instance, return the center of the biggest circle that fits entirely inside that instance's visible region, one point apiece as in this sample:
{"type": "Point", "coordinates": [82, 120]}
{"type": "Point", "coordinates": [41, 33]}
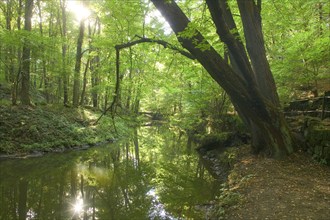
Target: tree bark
{"type": "Point", "coordinates": [83, 92]}
{"type": "Point", "coordinates": [273, 136]}
{"type": "Point", "coordinates": [251, 19]}
{"type": "Point", "coordinates": [130, 72]}
{"type": "Point", "coordinates": [76, 80]}
{"type": "Point", "coordinates": [26, 55]}
{"type": "Point", "coordinates": [225, 26]}
{"type": "Point", "coordinates": [64, 52]}
{"type": "Point", "coordinates": [44, 77]}
{"type": "Point", "coordinates": [94, 65]}
{"type": "Point", "coordinates": [8, 54]}
{"type": "Point", "coordinates": [19, 14]}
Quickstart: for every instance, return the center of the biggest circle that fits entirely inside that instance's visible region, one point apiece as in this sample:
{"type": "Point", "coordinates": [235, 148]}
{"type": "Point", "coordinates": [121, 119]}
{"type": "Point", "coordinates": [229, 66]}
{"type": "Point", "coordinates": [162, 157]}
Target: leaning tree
{"type": "Point", "coordinates": [247, 79]}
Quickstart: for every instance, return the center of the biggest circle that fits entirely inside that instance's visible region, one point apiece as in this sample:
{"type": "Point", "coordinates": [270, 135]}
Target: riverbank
{"type": "Point", "coordinates": [257, 187]}
{"type": "Point", "coordinates": [297, 188]}
{"type": "Point", "coordinates": [52, 128]}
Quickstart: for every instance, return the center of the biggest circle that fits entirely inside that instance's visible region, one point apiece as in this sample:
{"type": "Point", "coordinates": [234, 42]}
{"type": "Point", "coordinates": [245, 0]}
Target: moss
{"type": "Point", "coordinates": [214, 139]}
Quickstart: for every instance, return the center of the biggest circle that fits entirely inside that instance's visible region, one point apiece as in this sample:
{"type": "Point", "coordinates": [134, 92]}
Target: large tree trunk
{"type": "Point", "coordinates": [251, 19]}
{"type": "Point", "coordinates": [270, 131]}
{"type": "Point", "coordinates": [25, 90]}
{"type": "Point", "coordinates": [258, 71]}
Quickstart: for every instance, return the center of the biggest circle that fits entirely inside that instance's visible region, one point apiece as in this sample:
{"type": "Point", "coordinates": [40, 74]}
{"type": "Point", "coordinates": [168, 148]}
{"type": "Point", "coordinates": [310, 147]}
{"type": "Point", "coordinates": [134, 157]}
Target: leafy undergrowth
{"type": "Point", "coordinates": [25, 130]}
{"type": "Point", "coordinates": [296, 188]}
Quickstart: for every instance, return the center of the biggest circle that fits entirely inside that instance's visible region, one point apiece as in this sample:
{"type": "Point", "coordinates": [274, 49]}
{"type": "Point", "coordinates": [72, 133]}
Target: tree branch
{"type": "Point", "coordinates": [161, 42]}
{"type": "Point", "coordinates": [115, 98]}
{"type": "Point", "coordinates": [129, 44]}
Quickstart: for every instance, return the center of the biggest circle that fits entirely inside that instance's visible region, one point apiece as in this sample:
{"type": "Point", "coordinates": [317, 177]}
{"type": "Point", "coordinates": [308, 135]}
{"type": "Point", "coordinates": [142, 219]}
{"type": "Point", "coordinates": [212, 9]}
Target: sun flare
{"type": "Point", "coordinates": [79, 10]}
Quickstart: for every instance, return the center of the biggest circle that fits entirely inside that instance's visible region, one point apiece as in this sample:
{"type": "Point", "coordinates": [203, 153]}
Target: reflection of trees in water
{"type": "Point", "coordinates": [182, 181]}
{"type": "Point", "coordinates": [22, 192]}
{"type": "Point", "coordinates": [112, 182]}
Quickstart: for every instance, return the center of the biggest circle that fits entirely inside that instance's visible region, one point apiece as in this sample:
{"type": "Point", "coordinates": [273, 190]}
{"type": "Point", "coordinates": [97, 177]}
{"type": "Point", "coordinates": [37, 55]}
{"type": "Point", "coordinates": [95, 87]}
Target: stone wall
{"type": "Point", "coordinates": [317, 135]}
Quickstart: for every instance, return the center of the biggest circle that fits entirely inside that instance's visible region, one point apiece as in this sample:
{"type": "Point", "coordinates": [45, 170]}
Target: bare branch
{"type": "Point", "coordinates": [161, 42]}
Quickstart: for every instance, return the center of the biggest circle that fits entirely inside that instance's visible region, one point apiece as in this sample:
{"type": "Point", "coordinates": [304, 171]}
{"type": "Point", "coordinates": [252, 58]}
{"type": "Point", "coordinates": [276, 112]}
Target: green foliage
{"type": "Point", "coordinates": [227, 198]}
{"type": "Point", "coordinates": [189, 32]}
{"type": "Point", "coordinates": [5, 102]}
{"type": "Point", "coordinates": [49, 129]}
{"type": "Point", "coordinates": [297, 44]}
{"type": "Point", "coordinates": [229, 156]}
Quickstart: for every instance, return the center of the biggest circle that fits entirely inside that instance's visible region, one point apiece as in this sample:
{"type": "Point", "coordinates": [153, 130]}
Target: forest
{"type": "Point", "coordinates": [244, 83]}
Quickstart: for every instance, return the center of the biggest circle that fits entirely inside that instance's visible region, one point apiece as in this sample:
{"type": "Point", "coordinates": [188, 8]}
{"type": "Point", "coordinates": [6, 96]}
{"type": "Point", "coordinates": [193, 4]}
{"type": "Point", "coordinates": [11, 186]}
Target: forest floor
{"type": "Point", "coordinates": [292, 189]}
{"type": "Point", "coordinates": [27, 131]}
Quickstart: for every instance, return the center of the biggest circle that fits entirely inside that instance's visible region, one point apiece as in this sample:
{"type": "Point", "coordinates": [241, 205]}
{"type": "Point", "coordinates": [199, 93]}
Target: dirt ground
{"type": "Point", "coordinates": [294, 189]}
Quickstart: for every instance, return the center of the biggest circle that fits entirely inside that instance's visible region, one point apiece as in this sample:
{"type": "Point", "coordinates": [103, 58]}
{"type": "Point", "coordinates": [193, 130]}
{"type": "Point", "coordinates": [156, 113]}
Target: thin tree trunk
{"type": "Point", "coordinates": [94, 66]}
{"type": "Point", "coordinates": [5, 51]}
{"type": "Point", "coordinates": [19, 14]}
{"type": "Point", "coordinates": [65, 77]}
{"type": "Point", "coordinates": [117, 87]}
{"type": "Point", "coordinates": [114, 102]}
{"type": "Point", "coordinates": [26, 55]}
{"type": "Point", "coordinates": [106, 99]}
{"type": "Point", "coordinates": [129, 92]}
{"type": "Point", "coordinates": [76, 80]}
{"type": "Point", "coordinates": [83, 92]}
{"type": "Point", "coordinates": [16, 77]}
{"type": "Point", "coordinates": [44, 70]}
{"type": "Point", "coordinates": [95, 80]}
{"type": "Point", "coordinates": [8, 53]}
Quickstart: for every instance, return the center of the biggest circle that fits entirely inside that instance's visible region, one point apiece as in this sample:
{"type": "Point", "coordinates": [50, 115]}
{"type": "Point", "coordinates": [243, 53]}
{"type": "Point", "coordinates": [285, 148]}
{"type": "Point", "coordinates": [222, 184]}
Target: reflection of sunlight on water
{"type": "Point", "coordinates": [30, 214]}
{"type": "Point", "coordinates": [157, 210]}
{"type": "Point", "coordinates": [80, 209]}
{"type": "Point", "coordinates": [78, 206]}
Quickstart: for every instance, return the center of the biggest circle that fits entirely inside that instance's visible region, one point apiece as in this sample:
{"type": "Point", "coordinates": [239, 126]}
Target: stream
{"type": "Point", "coordinates": [154, 174]}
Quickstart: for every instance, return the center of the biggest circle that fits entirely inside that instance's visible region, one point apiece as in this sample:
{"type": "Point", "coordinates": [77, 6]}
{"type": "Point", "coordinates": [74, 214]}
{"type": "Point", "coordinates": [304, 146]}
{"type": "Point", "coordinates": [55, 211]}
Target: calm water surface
{"type": "Point", "coordinates": [155, 174]}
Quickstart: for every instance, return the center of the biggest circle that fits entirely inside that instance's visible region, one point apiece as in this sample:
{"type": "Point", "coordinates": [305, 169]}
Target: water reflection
{"type": "Point", "coordinates": [154, 175]}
